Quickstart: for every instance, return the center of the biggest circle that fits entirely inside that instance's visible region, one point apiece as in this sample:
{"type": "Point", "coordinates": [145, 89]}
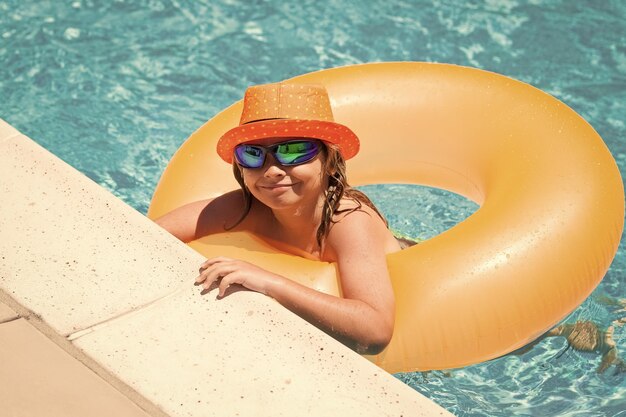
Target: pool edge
{"type": "Point", "coordinates": [368, 390]}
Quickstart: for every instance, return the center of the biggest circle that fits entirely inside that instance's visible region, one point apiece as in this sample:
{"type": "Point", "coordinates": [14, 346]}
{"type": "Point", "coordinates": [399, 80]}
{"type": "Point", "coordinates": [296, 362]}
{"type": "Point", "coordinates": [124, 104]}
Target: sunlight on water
{"type": "Point", "coordinates": [114, 88]}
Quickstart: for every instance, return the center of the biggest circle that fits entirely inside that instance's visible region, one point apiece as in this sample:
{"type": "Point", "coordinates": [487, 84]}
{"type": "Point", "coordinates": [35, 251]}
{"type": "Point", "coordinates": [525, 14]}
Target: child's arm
{"type": "Point", "coordinates": [364, 318]}
{"type": "Point", "coordinates": [204, 217]}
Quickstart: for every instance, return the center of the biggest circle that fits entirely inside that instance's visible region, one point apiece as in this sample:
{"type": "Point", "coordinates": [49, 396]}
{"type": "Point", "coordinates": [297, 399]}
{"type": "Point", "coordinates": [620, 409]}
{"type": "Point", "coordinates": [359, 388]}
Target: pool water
{"type": "Point", "coordinates": [114, 87]}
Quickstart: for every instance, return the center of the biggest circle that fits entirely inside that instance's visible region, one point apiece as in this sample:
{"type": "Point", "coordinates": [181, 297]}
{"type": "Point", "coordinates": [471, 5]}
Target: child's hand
{"type": "Point", "coordinates": [233, 271]}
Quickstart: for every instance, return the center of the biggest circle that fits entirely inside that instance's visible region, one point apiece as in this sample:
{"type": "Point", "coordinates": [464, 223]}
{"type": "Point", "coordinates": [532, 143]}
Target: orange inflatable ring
{"type": "Point", "coordinates": [550, 194]}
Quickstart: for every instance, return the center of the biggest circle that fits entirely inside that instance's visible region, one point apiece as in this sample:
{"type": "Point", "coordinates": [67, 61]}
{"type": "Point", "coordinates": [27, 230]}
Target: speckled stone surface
{"type": "Point", "coordinates": [6, 313]}
{"type": "Point", "coordinates": [78, 255]}
{"type": "Point", "coordinates": [7, 131]}
{"type": "Point", "coordinates": [121, 290]}
{"type": "Point", "coordinates": [37, 378]}
{"type": "Point", "coordinates": [244, 355]}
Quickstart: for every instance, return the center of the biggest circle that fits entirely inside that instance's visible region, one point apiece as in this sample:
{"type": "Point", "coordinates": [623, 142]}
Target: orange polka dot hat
{"type": "Point", "coordinates": [287, 111]}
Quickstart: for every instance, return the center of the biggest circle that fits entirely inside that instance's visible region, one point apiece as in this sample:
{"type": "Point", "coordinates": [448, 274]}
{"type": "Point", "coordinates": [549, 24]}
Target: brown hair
{"type": "Point", "coordinates": [334, 166]}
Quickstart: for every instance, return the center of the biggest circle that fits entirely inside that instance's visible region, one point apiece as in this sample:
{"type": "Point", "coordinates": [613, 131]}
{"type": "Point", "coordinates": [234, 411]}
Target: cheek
{"type": "Point", "coordinates": [314, 179]}
{"type": "Point", "coordinates": [249, 182]}
{"type": "Point", "coordinates": [310, 172]}
{"type": "Point", "coordinates": [249, 177]}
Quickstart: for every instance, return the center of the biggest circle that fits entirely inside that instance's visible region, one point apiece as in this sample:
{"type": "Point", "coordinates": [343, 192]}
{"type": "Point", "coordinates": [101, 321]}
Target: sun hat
{"type": "Point", "coordinates": [287, 110]}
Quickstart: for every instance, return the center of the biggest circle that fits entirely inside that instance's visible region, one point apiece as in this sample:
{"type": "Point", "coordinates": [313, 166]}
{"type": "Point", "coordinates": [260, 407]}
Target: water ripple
{"type": "Point", "coordinates": [114, 88]}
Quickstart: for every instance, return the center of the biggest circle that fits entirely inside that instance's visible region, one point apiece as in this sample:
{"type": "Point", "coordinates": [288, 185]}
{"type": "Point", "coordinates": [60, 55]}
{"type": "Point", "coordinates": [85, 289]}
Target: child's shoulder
{"type": "Point", "coordinates": [224, 212]}
{"type": "Point", "coordinates": [354, 219]}
{"type": "Point", "coordinates": [358, 227]}
{"type": "Point", "coordinates": [357, 210]}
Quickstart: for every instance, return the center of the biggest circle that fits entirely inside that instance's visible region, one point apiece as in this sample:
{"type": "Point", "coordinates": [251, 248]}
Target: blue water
{"type": "Point", "coordinates": [114, 87]}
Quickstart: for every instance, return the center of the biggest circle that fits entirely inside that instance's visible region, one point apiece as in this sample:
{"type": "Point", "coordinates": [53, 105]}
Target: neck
{"type": "Point", "coordinates": [298, 226]}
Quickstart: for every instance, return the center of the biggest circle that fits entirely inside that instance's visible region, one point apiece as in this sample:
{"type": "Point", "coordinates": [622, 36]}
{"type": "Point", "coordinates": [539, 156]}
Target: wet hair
{"type": "Point", "coordinates": [334, 166]}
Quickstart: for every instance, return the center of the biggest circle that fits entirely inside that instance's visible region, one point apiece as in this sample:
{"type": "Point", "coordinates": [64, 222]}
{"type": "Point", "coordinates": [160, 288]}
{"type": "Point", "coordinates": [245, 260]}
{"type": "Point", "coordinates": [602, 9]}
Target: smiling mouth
{"type": "Point", "coordinates": [277, 187]}
{"type": "Point", "coordinates": [273, 187]}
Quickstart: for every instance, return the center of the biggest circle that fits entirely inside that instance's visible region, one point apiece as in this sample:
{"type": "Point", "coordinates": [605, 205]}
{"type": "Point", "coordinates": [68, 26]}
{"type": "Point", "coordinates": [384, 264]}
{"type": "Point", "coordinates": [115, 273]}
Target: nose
{"type": "Point", "coordinates": [272, 168]}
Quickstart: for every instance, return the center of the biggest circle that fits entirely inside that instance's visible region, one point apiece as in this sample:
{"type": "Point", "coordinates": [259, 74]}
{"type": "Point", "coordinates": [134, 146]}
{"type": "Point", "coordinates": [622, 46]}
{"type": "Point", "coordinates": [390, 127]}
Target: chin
{"type": "Point", "coordinates": [278, 200]}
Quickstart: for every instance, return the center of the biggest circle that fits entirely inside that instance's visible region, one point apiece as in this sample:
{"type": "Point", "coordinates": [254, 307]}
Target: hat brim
{"type": "Point", "coordinates": [330, 132]}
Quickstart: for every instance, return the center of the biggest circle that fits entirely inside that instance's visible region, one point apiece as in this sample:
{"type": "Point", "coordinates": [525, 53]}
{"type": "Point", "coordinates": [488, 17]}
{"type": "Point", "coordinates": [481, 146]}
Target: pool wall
{"type": "Point", "coordinates": [92, 280]}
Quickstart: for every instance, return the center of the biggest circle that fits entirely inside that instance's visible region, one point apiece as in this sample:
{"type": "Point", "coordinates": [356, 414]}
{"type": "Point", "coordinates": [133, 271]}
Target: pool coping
{"type": "Point", "coordinates": [102, 286]}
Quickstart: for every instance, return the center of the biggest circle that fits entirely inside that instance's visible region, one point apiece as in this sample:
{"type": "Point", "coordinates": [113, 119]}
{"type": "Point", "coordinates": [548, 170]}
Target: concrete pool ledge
{"type": "Point", "coordinates": [99, 312]}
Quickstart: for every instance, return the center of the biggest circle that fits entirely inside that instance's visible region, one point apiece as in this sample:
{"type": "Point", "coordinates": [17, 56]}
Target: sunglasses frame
{"type": "Point", "coordinates": [272, 149]}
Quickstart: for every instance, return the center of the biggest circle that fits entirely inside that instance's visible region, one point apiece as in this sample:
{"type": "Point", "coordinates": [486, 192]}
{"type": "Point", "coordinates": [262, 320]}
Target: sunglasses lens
{"type": "Point", "coordinates": [295, 153]}
{"type": "Point", "coordinates": [287, 153]}
{"type": "Point", "coordinates": [250, 156]}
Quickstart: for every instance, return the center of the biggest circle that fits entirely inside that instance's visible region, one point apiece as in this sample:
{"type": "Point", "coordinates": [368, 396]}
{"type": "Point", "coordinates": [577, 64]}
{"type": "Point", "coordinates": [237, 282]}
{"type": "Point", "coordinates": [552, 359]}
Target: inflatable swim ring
{"type": "Point", "coordinates": [550, 194]}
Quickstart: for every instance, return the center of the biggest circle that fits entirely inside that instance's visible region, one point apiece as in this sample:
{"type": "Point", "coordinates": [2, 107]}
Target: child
{"type": "Point", "coordinates": [288, 156]}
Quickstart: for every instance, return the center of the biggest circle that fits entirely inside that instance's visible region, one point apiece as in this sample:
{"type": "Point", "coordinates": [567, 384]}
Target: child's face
{"type": "Point", "coordinates": [282, 187]}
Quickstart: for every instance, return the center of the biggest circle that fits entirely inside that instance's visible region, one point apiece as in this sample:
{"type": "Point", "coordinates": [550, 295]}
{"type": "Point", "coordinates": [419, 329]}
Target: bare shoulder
{"type": "Point", "coordinates": [204, 217]}
{"type": "Point", "coordinates": [358, 230]}
{"type": "Point", "coordinates": [354, 216]}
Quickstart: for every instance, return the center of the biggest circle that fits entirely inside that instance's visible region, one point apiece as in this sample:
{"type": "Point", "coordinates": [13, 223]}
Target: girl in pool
{"type": "Point", "coordinates": [288, 156]}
